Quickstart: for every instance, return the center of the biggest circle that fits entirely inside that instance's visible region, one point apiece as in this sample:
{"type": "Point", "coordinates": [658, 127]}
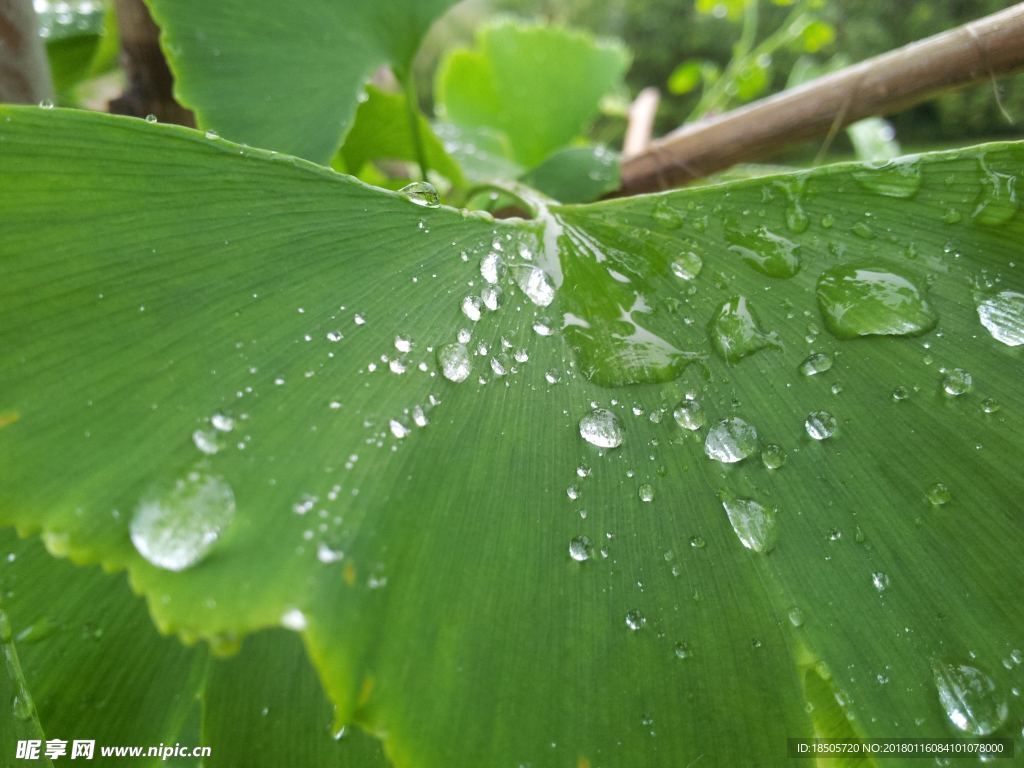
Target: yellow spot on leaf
{"type": "Point", "coordinates": [8, 417]}
{"type": "Point", "coordinates": [350, 574]}
{"type": "Point", "coordinates": [366, 690]}
{"type": "Point", "coordinates": [582, 762]}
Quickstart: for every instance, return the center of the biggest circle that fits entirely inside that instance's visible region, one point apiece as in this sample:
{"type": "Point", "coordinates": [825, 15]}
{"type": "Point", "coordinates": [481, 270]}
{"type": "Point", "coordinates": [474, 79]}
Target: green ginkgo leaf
{"type": "Point", "coordinates": [597, 488]}
{"type": "Point", "coordinates": [291, 85]}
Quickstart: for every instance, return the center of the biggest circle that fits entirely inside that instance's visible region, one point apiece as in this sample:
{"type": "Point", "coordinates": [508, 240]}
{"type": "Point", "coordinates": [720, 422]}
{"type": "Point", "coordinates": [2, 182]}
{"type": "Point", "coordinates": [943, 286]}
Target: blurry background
{"type": "Point", "coordinates": [704, 56]}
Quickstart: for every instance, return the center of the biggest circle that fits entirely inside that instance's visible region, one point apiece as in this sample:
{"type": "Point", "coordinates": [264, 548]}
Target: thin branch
{"type": "Point", "coordinates": [984, 49]}
{"type": "Point", "coordinates": [641, 122]}
{"type": "Point", "coordinates": [24, 69]}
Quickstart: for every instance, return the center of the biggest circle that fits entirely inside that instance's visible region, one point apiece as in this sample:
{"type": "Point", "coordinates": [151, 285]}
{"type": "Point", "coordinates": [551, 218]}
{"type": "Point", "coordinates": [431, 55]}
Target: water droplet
{"type": "Point", "coordinates": [938, 495]}
{"type": "Point", "coordinates": [768, 253]}
{"type": "Point", "coordinates": [773, 456]}
{"type": "Point", "coordinates": [454, 361]}
{"type": "Point", "coordinates": [177, 529]}
{"type": "Point", "coordinates": [880, 580]}
{"type": "Point", "coordinates": [816, 363]}
{"type": "Point", "coordinates": [687, 265]}
{"type": "Point", "coordinates": [325, 554]}
{"type": "Point", "coordinates": [294, 619]}
{"type": "Point", "coordinates": [682, 651]}
{"type": "Point", "coordinates": [697, 542]}
{"type": "Point", "coordinates": [957, 382]}
{"type": "Point", "coordinates": [22, 706]}
{"type": "Point", "coordinates": [635, 620]}
{"type": "Point", "coordinates": [471, 308]}
{"type": "Point", "coordinates": [796, 616]}
{"type": "Point", "coordinates": [689, 415]}
{"type": "Point", "coordinates": [601, 427]}
{"type": "Point", "coordinates": [666, 214]}
{"type": "Point", "coordinates": [222, 423]}
{"type": "Point", "coordinates": [398, 429]}
{"type": "Point", "coordinates": [900, 393]}
{"type": "Point", "coordinates": [492, 268]}
{"type": "Point", "coordinates": [859, 300]}
{"type": "Point", "coordinates": [753, 523]}
{"type": "Point", "coordinates": [894, 178]}
{"type": "Point", "coordinates": [46, 104]}
{"type": "Point", "coordinates": [646, 493]}
{"type": "Point", "coordinates": [580, 549]}
{"type": "Point", "coordinates": [150, 118]}
{"type": "Point", "coordinates": [212, 135]}
{"type": "Point", "coordinates": [969, 698]}
{"type": "Point", "coordinates": [988, 405]}
{"type": "Point", "coordinates": [421, 193]}
{"type": "Point", "coordinates": [735, 332]}
{"type": "Point", "coordinates": [206, 441]}
{"type": "Point", "coordinates": [1003, 317]}
{"type": "Point", "coordinates": [730, 440]}
{"type": "Point", "coordinates": [402, 344]}
{"type": "Point", "coordinates": [820, 425]}
{"type": "Point", "coordinates": [535, 283]}
{"type": "Point", "coordinates": [997, 200]}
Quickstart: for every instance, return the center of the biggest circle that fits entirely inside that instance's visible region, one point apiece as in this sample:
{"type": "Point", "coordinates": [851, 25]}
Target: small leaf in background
{"type": "Point", "coordinates": [752, 81]}
{"type": "Point", "coordinates": [873, 139]}
{"type": "Point", "coordinates": [576, 175]}
{"type": "Point", "coordinates": [722, 9]}
{"type": "Point", "coordinates": [291, 85]}
{"type": "Point", "coordinates": [482, 153]}
{"type": "Point", "coordinates": [551, 81]}
{"type": "Point", "coordinates": [686, 77]}
{"type": "Point", "coordinates": [380, 132]}
{"type": "Point", "coordinates": [81, 42]}
{"type": "Point", "coordinates": [817, 35]}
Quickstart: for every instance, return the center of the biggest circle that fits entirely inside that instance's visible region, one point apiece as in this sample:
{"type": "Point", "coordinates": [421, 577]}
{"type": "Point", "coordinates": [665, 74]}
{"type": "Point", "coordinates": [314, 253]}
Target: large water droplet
{"type": "Point", "coordinates": [753, 523]}
{"type": "Point", "coordinates": [689, 415]}
{"type": "Point", "coordinates": [997, 201]}
{"type": "Point", "coordinates": [580, 548]}
{"type": "Point", "coordinates": [492, 268]}
{"type": "Point", "coordinates": [969, 698]}
{"type": "Point", "coordinates": [601, 428]}
{"type": "Point", "coordinates": [1003, 317]}
{"type": "Point", "coordinates": [454, 361]}
{"type": "Point", "coordinates": [730, 440]}
{"type": "Point", "coordinates": [535, 283]}
{"type": "Point", "coordinates": [767, 252]}
{"type": "Point", "coordinates": [957, 382]}
{"type": "Point", "coordinates": [895, 178]}
{"type": "Point", "coordinates": [176, 529]}
{"type": "Point", "coordinates": [816, 363]}
{"type": "Point", "coordinates": [687, 265]}
{"type": "Point", "coordinates": [735, 332]}
{"type": "Point", "coordinates": [421, 193]}
{"type": "Point", "coordinates": [820, 425]}
{"type": "Point", "coordinates": [857, 300]}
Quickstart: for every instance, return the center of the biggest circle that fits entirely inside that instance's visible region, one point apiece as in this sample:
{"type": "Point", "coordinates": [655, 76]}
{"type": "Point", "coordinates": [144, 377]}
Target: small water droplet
{"type": "Point", "coordinates": [880, 580]}
{"type": "Point", "coordinates": [601, 427]}
{"type": "Point", "coordinates": [957, 382]}
{"type": "Point", "coordinates": [177, 529]}
{"type": "Point", "coordinates": [690, 415]}
{"type": "Point", "coordinates": [816, 363]}
{"type": "Point", "coordinates": [939, 495]}
{"type": "Point", "coordinates": [421, 193]}
{"type": "Point", "coordinates": [206, 441]}
{"type": "Point", "coordinates": [222, 423]}
{"type": "Point", "coordinates": [666, 214]}
{"type": "Point", "coordinates": [46, 104]}
{"type": "Point", "coordinates": [988, 405]}
{"type": "Point", "coordinates": [970, 698]}
{"type": "Point", "coordinates": [773, 456]}
{"type": "Point", "coordinates": [211, 135]}
{"type": "Point", "coordinates": [1003, 317]}
{"type": "Point", "coordinates": [455, 362]}
{"type": "Point", "coordinates": [646, 493]}
{"type": "Point", "coordinates": [682, 651]}
{"type": "Point", "coordinates": [22, 706]}
{"type": "Point", "coordinates": [997, 200]}
{"type": "Point", "coordinates": [492, 268]}
{"type": "Point", "coordinates": [635, 620]}
{"type": "Point", "coordinates": [796, 616]}
{"type": "Point", "coordinates": [900, 393]}
{"type": "Point", "coordinates": [753, 523]}
{"type": "Point", "coordinates": [770, 254]}
{"type": "Point", "coordinates": [820, 425]}
{"type": "Point", "coordinates": [580, 548]}
{"type": "Point", "coordinates": [730, 440]}
{"type": "Point", "coordinates": [857, 300]}
{"type": "Point", "coordinates": [697, 542]}
{"type": "Point", "coordinates": [150, 118]}
{"type": "Point", "coordinates": [471, 308]}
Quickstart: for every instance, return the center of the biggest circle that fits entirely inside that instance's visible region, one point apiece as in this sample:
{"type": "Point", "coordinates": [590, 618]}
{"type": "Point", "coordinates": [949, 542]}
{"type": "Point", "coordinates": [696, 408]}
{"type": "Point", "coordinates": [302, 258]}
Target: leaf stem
{"type": "Point", "coordinates": [412, 110]}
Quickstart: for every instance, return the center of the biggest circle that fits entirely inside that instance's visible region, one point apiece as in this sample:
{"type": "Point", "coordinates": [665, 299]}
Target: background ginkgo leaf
{"type": "Point", "coordinates": [302, 378]}
{"type": "Point", "coordinates": [506, 84]}
{"type": "Point", "coordinates": [291, 85]}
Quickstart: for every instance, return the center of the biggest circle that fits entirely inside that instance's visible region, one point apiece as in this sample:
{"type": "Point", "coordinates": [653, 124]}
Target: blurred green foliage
{"type": "Point", "coordinates": [663, 34]}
